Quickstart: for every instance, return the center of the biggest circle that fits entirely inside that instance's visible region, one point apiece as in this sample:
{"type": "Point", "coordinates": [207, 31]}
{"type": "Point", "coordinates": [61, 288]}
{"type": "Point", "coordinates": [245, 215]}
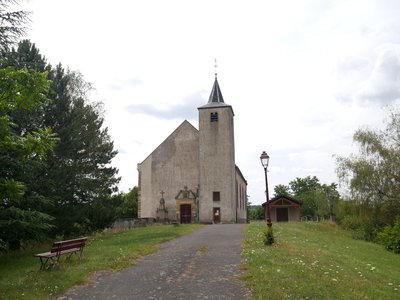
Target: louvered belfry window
{"type": "Point", "coordinates": [214, 117]}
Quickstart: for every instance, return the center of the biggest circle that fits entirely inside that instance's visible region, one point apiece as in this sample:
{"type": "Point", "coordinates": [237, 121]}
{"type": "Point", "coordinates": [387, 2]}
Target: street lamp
{"type": "Point", "coordinates": [264, 161]}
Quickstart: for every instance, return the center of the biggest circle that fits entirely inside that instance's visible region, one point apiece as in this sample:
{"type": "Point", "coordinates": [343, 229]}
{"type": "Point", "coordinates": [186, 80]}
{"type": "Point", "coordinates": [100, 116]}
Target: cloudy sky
{"type": "Point", "coordinates": [301, 75]}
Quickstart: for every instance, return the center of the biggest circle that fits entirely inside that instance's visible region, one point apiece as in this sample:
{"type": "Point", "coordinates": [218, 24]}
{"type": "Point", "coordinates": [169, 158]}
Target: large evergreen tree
{"type": "Point", "coordinates": [35, 181]}
{"type": "Point", "coordinates": [22, 148]}
{"type": "Point", "coordinates": [79, 170]}
{"type": "Point", "coordinates": [77, 173]}
{"type": "Point", "coordinates": [11, 23]}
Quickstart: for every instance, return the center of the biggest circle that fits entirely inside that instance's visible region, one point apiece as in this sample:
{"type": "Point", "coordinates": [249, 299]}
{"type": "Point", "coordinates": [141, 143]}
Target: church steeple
{"type": "Point", "coordinates": [216, 95]}
{"type": "Point", "coordinates": [217, 173]}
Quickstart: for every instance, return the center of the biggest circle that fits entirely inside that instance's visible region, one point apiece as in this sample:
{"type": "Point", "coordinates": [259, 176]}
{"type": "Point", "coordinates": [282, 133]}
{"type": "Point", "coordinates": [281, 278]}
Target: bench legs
{"type": "Point", "coordinates": [45, 260]}
{"type": "Point", "coordinates": [46, 263]}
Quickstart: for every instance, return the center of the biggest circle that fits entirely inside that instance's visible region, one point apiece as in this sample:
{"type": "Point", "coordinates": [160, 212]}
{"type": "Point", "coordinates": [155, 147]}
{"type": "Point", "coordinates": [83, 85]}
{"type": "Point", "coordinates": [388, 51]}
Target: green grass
{"type": "Point", "coordinates": [317, 261]}
{"type": "Point", "coordinates": [20, 277]}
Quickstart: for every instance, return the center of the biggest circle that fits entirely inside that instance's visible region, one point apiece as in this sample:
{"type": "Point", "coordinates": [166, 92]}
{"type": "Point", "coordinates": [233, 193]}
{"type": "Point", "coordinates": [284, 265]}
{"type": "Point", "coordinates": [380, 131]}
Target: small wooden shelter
{"type": "Point", "coordinates": [283, 209]}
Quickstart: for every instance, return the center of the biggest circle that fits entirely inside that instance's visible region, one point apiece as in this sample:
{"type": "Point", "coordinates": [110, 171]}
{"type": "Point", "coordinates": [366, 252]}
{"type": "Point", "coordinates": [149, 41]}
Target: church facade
{"type": "Point", "coordinates": [191, 177]}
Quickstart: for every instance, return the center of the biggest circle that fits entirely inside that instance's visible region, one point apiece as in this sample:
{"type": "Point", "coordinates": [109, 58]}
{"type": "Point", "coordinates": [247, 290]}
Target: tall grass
{"type": "Point", "coordinates": [20, 277]}
{"type": "Point", "coordinates": [317, 261]}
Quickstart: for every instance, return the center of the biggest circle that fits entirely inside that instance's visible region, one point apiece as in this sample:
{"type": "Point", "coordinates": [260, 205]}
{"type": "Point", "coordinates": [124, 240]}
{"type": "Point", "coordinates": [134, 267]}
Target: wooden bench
{"type": "Point", "coordinates": [67, 247]}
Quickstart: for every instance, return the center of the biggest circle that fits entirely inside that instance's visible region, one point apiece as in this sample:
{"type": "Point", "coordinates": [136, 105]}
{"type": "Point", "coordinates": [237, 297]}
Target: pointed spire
{"type": "Point", "coordinates": [216, 95]}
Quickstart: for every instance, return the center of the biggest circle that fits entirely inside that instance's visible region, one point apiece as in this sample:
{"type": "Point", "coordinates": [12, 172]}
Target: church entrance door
{"type": "Point", "coordinates": [217, 215]}
{"type": "Point", "coordinates": [186, 213]}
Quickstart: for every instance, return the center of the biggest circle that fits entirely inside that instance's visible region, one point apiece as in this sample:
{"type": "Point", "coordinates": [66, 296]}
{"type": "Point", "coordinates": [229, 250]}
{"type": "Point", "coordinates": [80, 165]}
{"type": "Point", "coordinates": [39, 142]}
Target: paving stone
{"type": "Point", "coordinates": [203, 265]}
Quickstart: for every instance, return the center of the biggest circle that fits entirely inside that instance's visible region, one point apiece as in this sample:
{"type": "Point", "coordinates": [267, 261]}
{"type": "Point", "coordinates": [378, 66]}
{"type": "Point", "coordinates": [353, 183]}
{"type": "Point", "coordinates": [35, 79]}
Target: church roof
{"type": "Point", "coordinates": [216, 99]}
{"type": "Point", "coordinates": [185, 126]}
{"type": "Point", "coordinates": [216, 95]}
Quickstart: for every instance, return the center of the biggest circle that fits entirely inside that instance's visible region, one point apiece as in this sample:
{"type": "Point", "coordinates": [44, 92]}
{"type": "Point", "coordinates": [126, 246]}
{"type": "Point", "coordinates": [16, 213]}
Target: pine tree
{"type": "Point", "coordinates": [78, 172]}
{"type": "Point", "coordinates": [22, 91]}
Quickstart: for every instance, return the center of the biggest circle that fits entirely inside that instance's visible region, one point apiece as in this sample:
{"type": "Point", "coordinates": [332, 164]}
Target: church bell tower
{"type": "Point", "coordinates": [216, 160]}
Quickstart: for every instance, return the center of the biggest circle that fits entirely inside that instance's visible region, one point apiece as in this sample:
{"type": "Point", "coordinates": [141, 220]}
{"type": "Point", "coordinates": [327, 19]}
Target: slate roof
{"type": "Point", "coordinates": [216, 95]}
{"type": "Point", "coordinates": [216, 99]}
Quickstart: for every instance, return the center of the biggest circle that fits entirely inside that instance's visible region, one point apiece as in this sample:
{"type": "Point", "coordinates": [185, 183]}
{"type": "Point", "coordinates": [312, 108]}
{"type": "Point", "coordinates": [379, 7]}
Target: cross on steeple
{"type": "Point", "coordinates": [215, 66]}
{"type": "Point", "coordinates": [162, 193]}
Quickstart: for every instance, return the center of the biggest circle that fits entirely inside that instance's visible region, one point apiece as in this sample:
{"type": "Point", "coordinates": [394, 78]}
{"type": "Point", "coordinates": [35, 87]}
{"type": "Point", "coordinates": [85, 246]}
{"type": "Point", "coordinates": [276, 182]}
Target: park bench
{"type": "Point", "coordinates": [67, 247]}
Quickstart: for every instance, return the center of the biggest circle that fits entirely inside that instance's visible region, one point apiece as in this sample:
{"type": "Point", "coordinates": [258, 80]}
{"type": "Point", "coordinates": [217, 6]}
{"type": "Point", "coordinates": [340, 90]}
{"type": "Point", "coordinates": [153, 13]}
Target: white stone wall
{"type": "Point", "coordinates": [217, 163]}
{"type": "Point", "coordinates": [172, 166]}
{"type": "Point", "coordinates": [201, 159]}
{"type": "Point", "coordinates": [241, 198]}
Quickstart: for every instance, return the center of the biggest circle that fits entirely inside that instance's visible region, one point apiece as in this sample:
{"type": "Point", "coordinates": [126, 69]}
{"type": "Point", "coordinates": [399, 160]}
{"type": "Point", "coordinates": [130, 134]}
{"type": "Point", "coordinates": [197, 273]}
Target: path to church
{"type": "Point", "coordinates": [203, 265]}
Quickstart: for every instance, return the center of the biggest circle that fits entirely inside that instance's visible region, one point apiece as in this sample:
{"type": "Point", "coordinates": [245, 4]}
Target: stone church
{"type": "Point", "coordinates": [191, 177]}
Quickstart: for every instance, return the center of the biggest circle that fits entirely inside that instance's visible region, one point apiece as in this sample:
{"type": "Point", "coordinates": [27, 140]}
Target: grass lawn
{"type": "Point", "coordinates": [317, 261]}
{"type": "Point", "coordinates": [20, 277]}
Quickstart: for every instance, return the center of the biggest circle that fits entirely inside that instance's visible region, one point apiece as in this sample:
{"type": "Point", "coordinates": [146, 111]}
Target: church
{"type": "Point", "coordinates": [191, 177]}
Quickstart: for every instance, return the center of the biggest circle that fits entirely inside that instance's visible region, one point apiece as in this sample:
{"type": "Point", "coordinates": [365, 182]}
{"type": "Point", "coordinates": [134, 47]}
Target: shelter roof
{"type": "Point", "coordinates": [283, 197]}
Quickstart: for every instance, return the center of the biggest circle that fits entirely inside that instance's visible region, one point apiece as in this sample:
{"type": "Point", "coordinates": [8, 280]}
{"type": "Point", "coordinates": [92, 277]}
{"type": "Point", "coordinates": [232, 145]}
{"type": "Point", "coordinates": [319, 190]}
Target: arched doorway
{"type": "Point", "coordinates": [186, 206]}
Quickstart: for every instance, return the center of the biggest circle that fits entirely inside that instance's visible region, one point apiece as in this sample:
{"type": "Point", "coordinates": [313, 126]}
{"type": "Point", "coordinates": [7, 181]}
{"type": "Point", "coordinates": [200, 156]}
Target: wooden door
{"type": "Point", "coordinates": [217, 215]}
{"type": "Point", "coordinates": [282, 214]}
{"type": "Point", "coordinates": [186, 213]}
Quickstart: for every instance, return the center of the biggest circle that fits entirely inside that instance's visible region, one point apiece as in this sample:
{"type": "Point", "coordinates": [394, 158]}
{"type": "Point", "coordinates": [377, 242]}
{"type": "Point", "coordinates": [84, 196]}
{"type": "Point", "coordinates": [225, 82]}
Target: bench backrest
{"type": "Point", "coordinates": [68, 244]}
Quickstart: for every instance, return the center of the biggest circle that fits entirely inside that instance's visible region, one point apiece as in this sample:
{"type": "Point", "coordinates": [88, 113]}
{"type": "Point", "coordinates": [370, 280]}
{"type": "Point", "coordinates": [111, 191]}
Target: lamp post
{"type": "Point", "coordinates": [264, 161]}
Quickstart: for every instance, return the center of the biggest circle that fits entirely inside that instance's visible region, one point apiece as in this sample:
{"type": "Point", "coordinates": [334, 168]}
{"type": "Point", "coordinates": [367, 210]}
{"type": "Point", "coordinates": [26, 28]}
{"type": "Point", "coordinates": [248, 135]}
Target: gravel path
{"type": "Point", "coordinates": [203, 265]}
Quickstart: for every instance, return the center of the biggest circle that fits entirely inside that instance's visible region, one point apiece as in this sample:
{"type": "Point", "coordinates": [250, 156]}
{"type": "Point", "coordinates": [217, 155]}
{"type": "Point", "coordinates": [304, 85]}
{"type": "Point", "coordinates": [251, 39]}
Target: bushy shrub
{"type": "Point", "coordinates": [390, 237]}
{"type": "Point", "coordinates": [362, 228]}
{"type": "Point", "coordinates": [3, 246]}
{"type": "Point", "coordinates": [269, 238]}
{"type": "Point", "coordinates": [351, 222]}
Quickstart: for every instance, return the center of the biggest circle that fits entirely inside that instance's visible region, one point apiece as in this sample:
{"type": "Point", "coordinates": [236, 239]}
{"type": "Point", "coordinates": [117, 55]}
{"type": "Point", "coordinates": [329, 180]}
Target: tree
{"type": "Point", "coordinates": [281, 190]}
{"type": "Point", "coordinates": [129, 206]}
{"type": "Point", "coordinates": [27, 57]}
{"type": "Point", "coordinates": [256, 212]}
{"type": "Point", "coordinates": [11, 23]}
{"type": "Point", "coordinates": [373, 176]}
{"type": "Point", "coordinates": [21, 90]}
{"type": "Point", "coordinates": [304, 185]}
{"type": "Point", "coordinates": [80, 167]}
{"type": "Point", "coordinates": [318, 199]}
{"type": "Point", "coordinates": [305, 189]}
{"type": "Point", "coordinates": [327, 199]}
{"type": "Point", "coordinates": [78, 172]}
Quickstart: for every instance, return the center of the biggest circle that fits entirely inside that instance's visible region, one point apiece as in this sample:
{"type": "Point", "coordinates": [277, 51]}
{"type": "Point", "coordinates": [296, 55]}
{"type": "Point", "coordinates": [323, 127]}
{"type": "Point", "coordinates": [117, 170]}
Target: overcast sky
{"type": "Point", "coordinates": [301, 75]}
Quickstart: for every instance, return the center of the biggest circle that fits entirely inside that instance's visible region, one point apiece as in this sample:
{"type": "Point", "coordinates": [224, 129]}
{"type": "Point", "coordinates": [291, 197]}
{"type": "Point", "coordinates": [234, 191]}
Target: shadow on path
{"type": "Point", "coordinates": [203, 265]}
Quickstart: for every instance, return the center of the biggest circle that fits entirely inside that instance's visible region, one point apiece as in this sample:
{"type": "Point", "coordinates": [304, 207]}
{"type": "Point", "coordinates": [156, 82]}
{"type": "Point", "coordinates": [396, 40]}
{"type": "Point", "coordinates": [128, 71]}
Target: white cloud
{"type": "Point", "coordinates": [383, 84]}
{"type": "Point", "coordinates": [121, 84]}
{"type": "Point", "coordinates": [301, 76]}
{"type": "Point", "coordinates": [373, 76]}
{"type": "Point", "coordinates": [181, 111]}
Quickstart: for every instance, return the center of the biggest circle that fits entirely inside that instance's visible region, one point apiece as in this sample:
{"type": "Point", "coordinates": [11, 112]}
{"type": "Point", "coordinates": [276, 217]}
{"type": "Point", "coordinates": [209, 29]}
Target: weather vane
{"type": "Point", "coordinates": [215, 66]}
